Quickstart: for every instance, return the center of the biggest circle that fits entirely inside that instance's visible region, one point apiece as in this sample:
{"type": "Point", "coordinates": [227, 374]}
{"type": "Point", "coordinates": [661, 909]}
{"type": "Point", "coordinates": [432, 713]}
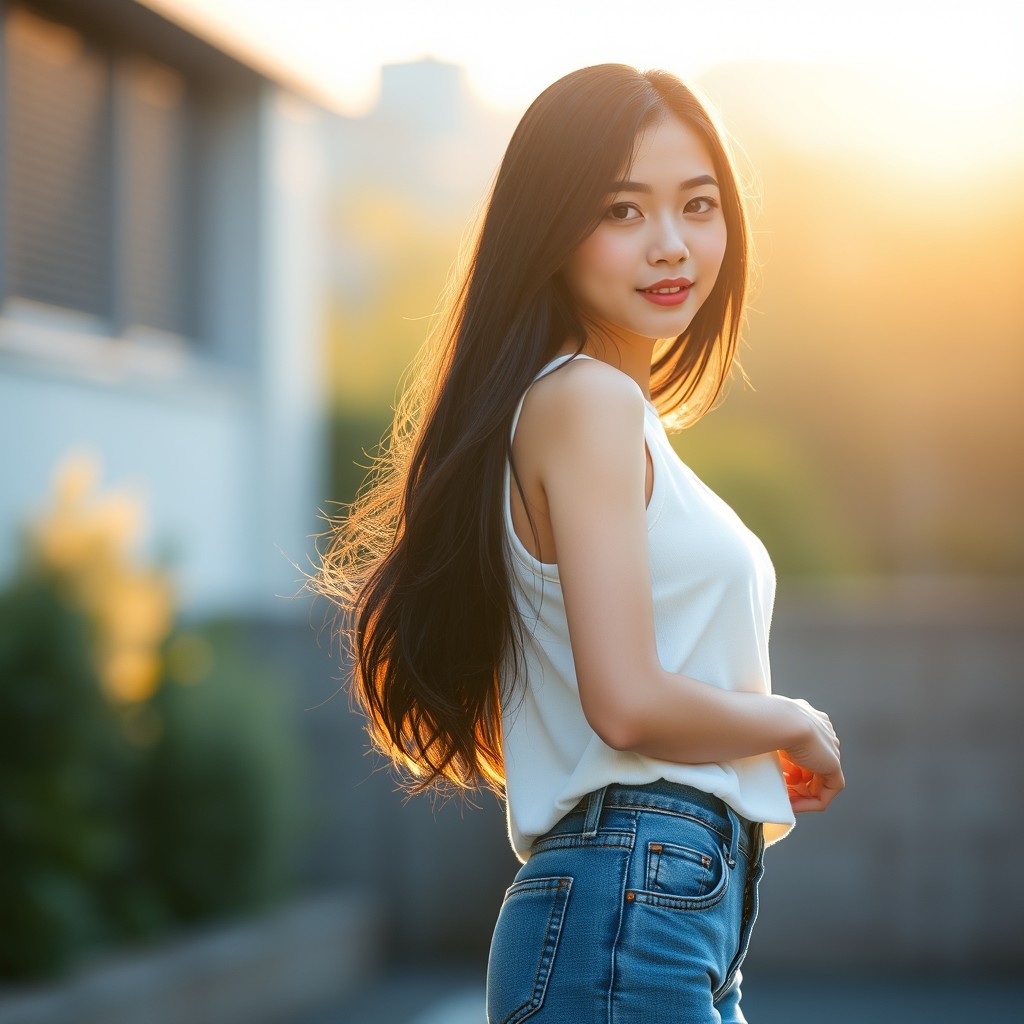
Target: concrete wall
{"type": "Point", "coordinates": [184, 453]}
{"type": "Point", "coordinates": [290, 444]}
{"type": "Point", "coordinates": [914, 866]}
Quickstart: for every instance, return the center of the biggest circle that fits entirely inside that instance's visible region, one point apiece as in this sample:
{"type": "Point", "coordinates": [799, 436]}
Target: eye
{"type": "Point", "coordinates": [623, 212]}
{"type": "Point", "coordinates": [701, 204]}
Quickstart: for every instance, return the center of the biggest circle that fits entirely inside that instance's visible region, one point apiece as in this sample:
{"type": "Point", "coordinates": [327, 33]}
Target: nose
{"type": "Point", "coordinates": [669, 246]}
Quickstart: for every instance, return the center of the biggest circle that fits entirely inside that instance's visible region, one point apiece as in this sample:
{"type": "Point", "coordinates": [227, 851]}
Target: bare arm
{"type": "Point", "coordinates": [592, 470]}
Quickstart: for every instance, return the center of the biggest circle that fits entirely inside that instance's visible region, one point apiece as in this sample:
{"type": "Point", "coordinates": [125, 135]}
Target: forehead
{"type": "Point", "coordinates": [670, 148]}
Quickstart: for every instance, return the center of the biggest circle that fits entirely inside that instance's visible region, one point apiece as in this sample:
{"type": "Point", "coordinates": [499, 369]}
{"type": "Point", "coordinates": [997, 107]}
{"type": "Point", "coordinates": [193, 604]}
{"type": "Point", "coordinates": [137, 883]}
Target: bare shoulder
{"type": "Point", "coordinates": [586, 394]}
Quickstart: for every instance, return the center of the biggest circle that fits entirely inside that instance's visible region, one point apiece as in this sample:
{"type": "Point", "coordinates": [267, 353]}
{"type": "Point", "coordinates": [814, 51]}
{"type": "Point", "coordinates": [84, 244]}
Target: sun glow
{"type": "Point", "coordinates": [337, 46]}
{"type": "Point", "coordinates": [922, 83]}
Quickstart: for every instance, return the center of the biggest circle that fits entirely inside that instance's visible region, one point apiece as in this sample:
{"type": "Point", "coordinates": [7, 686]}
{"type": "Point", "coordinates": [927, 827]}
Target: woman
{"type": "Point", "coordinates": [592, 640]}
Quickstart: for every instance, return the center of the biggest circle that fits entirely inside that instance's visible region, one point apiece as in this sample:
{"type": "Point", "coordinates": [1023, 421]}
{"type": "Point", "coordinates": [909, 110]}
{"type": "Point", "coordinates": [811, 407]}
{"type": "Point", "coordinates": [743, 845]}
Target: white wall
{"type": "Point", "coordinates": [290, 470]}
{"type": "Point", "coordinates": [186, 457]}
{"type": "Point", "coordinates": [223, 438]}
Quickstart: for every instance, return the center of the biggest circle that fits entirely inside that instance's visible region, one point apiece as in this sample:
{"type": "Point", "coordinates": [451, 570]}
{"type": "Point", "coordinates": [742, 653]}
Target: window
{"type": "Point", "coordinates": [154, 235]}
{"type": "Point", "coordinates": [98, 163]}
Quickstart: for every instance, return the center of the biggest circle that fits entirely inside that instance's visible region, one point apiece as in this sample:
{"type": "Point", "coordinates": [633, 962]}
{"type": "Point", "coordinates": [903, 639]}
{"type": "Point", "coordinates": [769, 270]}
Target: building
{"type": "Point", "coordinates": [161, 279]}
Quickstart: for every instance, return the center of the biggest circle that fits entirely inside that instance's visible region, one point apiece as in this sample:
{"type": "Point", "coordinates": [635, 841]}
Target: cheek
{"type": "Point", "coordinates": [597, 260]}
{"type": "Point", "coordinates": [714, 251]}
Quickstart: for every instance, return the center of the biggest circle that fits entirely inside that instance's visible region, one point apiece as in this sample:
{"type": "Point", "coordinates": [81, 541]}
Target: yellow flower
{"type": "Point", "coordinates": [135, 608]}
{"type": "Point", "coordinates": [130, 674]}
{"type": "Point", "coordinates": [88, 539]}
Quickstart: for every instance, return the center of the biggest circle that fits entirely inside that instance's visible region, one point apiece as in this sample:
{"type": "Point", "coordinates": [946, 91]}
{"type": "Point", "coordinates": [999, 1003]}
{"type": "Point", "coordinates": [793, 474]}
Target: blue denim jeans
{"type": "Point", "coordinates": [636, 907]}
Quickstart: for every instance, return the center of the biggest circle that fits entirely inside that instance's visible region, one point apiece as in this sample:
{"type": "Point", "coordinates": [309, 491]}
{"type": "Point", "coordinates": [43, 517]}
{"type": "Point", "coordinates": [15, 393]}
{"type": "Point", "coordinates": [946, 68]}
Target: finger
{"type": "Point", "coordinates": [802, 799]}
{"type": "Point", "coordinates": [794, 772]}
{"type": "Point", "coordinates": [797, 793]}
{"type": "Point", "coordinates": [804, 803]}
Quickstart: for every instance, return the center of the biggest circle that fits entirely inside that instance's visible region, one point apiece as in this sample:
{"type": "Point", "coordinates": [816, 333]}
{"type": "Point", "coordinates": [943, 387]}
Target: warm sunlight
{"type": "Point", "coordinates": [957, 53]}
{"type": "Point", "coordinates": [898, 76]}
{"type": "Point", "coordinates": [882, 147]}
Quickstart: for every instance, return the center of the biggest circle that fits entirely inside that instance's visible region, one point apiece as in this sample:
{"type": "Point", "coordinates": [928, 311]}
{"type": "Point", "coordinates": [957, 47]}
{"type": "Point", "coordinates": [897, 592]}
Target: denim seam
{"type": "Point", "coordinates": [578, 839]}
{"type": "Point", "coordinates": [680, 814]}
{"type": "Point", "coordinates": [657, 899]}
{"type": "Point", "coordinates": [755, 870]}
{"type": "Point", "coordinates": [553, 882]}
{"type": "Point", "coordinates": [657, 854]}
{"type": "Point", "coordinates": [561, 890]}
{"type": "Point", "coordinates": [627, 864]}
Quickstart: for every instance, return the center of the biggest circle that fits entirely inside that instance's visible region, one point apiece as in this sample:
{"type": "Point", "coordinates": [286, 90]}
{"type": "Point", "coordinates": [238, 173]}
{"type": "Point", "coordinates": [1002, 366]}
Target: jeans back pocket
{"type": "Point", "coordinates": [523, 948]}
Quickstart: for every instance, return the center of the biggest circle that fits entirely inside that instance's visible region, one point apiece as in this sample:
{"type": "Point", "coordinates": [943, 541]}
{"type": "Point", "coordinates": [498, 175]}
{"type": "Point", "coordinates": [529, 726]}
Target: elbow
{"type": "Point", "coordinates": [617, 728]}
{"type": "Point", "coordinates": [622, 720]}
{"type": "Point", "coordinates": [620, 739]}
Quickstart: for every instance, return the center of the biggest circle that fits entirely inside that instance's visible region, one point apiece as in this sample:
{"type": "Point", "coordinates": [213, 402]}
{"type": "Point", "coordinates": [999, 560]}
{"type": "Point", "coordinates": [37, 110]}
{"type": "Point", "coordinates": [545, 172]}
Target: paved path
{"type": "Point", "coordinates": [456, 998]}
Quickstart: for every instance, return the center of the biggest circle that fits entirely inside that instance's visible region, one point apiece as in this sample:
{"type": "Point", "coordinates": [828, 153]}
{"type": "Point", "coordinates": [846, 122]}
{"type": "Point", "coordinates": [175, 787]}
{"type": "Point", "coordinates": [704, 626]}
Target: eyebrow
{"type": "Point", "coordinates": [639, 186]}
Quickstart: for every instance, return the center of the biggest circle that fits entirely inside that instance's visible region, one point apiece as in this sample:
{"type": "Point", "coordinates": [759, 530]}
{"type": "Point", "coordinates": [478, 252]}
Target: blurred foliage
{"type": "Point", "coordinates": [218, 808]}
{"type": "Point", "coordinates": [765, 478]}
{"type": "Point", "coordinates": [775, 491]}
{"type": "Point", "coordinates": [148, 772]}
{"type": "Point", "coordinates": [86, 540]}
{"type": "Point", "coordinates": [886, 357]}
{"type": "Point", "coordinates": [68, 772]}
{"type": "Point", "coordinates": [397, 256]}
{"type": "Point", "coordinates": [356, 435]}
{"type": "Point", "coordinates": [759, 474]}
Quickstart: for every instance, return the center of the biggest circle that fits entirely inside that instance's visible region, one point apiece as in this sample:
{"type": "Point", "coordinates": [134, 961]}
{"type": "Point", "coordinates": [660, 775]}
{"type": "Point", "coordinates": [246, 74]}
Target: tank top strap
{"type": "Point", "coordinates": [547, 368]}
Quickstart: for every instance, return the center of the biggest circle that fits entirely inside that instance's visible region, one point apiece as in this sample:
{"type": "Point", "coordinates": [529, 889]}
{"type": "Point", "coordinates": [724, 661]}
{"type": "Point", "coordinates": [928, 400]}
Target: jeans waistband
{"type": "Point", "coordinates": [674, 798]}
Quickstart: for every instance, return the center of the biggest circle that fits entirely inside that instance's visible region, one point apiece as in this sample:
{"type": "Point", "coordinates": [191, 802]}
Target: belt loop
{"type": "Point", "coordinates": [595, 804]}
{"type": "Point", "coordinates": [734, 839]}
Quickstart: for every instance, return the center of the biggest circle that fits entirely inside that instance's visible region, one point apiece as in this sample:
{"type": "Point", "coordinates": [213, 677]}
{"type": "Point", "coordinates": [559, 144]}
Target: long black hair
{"type": "Point", "coordinates": [418, 567]}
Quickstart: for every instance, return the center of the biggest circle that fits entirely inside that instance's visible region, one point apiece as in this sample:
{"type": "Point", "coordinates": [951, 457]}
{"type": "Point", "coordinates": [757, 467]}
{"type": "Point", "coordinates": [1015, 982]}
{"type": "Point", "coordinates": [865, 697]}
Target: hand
{"type": "Point", "coordinates": [807, 790]}
{"type": "Point", "coordinates": [811, 768]}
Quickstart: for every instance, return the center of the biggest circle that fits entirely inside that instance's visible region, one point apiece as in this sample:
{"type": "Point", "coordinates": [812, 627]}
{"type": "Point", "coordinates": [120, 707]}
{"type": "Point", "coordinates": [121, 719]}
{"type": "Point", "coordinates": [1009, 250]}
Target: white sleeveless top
{"type": "Point", "coordinates": [713, 589]}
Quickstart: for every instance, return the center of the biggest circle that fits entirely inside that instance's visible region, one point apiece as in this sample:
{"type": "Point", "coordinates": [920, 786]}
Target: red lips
{"type": "Point", "coordinates": [675, 282]}
{"type": "Point", "coordinates": [681, 289]}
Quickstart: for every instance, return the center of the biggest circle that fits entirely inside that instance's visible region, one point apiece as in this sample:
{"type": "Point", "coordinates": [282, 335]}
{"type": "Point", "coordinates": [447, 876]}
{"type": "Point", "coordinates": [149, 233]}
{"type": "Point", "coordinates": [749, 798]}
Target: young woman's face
{"type": "Point", "coordinates": [654, 257]}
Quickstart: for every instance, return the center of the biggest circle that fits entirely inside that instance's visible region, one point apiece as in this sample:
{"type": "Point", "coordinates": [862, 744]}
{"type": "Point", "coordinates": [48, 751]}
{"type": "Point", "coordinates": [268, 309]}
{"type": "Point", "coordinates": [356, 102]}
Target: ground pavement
{"type": "Point", "coordinates": [456, 997]}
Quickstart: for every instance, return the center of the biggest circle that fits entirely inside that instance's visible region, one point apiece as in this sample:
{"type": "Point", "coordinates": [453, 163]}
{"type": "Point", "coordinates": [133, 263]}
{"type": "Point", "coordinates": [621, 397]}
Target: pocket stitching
{"type": "Point", "coordinates": [572, 840]}
{"type": "Point", "coordinates": [656, 854]}
{"type": "Point", "coordinates": [670, 902]}
{"type": "Point", "coordinates": [552, 934]}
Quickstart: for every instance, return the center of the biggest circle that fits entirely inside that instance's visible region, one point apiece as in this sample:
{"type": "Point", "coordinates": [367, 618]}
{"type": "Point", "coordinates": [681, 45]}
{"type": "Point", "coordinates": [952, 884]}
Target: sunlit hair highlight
{"type": "Point", "coordinates": [418, 568]}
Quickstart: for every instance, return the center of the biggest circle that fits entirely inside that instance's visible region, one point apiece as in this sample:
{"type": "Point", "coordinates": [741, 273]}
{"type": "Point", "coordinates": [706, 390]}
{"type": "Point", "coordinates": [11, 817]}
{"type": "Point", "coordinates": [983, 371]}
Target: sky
{"type": "Point", "coordinates": [956, 52]}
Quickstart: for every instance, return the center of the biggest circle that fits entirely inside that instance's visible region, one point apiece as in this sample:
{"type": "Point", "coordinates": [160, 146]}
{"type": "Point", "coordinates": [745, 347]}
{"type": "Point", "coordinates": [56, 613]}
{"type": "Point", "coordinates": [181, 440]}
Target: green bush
{"type": "Point", "coordinates": [119, 823]}
{"type": "Point", "coordinates": [217, 805]}
{"type": "Point", "coordinates": [355, 438]}
{"type": "Point", "coordinates": [777, 493]}
{"type": "Point", "coordinates": [67, 773]}
{"type": "Point", "coordinates": [148, 776]}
